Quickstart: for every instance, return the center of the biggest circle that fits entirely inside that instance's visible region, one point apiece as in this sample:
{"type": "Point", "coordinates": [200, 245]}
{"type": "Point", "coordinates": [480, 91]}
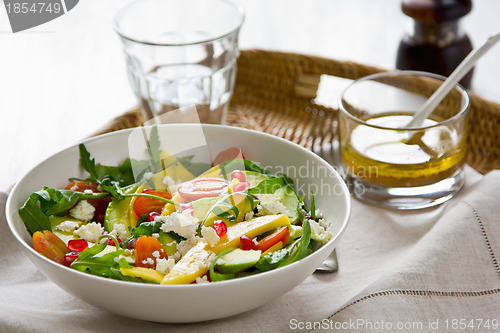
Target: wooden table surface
{"type": "Point", "coordinates": [62, 81]}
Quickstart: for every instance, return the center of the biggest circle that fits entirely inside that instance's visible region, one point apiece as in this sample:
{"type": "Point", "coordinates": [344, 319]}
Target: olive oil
{"type": "Point", "coordinates": [387, 155]}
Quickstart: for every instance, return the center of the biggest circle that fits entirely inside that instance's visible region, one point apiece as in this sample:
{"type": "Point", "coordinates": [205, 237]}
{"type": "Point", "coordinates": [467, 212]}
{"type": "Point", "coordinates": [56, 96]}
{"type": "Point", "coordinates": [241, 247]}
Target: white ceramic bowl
{"type": "Point", "coordinates": [188, 303]}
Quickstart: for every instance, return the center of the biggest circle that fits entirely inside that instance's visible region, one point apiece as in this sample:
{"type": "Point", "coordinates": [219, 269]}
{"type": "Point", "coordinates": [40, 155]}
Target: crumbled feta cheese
{"type": "Point", "coordinates": [155, 235]}
{"type": "Point", "coordinates": [249, 215]}
{"type": "Point", "coordinates": [176, 256]}
{"type": "Point", "coordinates": [156, 254]}
{"type": "Point", "coordinates": [318, 213]}
{"type": "Point", "coordinates": [201, 264]}
{"type": "Point", "coordinates": [164, 265]}
{"type": "Point", "coordinates": [88, 191]}
{"type": "Point", "coordinates": [148, 175]}
{"type": "Point", "coordinates": [148, 261]}
{"type": "Point", "coordinates": [210, 235]}
{"type": "Point", "coordinates": [319, 232]}
{"type": "Point", "coordinates": [171, 184]}
{"type": "Point", "coordinates": [83, 211]}
{"type": "Point", "coordinates": [201, 280]}
{"type": "Point", "coordinates": [184, 246]}
{"type": "Point", "coordinates": [120, 231]}
{"type": "Point", "coordinates": [67, 226]}
{"type": "Point", "coordinates": [90, 232]}
{"type": "Point", "coordinates": [183, 224]}
{"type": "Point", "coordinates": [73, 188]}
{"type": "Point", "coordinates": [127, 253]}
{"type": "Point", "coordinates": [273, 208]}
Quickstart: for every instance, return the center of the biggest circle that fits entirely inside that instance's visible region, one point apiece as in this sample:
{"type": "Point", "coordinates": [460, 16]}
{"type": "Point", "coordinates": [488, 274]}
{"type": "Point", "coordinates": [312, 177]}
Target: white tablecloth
{"type": "Point", "coordinates": [435, 270]}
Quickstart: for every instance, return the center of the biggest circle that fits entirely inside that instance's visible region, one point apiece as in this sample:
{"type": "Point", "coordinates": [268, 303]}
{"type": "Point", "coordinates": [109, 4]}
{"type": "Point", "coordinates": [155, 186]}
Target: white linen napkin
{"type": "Point", "coordinates": [435, 270]}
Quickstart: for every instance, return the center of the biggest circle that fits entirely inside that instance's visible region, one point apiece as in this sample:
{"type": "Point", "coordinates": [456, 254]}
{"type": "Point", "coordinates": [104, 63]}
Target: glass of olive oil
{"type": "Point", "coordinates": [390, 165]}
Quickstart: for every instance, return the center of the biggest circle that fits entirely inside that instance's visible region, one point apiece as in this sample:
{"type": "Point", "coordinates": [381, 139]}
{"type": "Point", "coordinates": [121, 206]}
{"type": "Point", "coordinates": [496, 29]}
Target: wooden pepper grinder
{"type": "Point", "coordinates": [436, 44]}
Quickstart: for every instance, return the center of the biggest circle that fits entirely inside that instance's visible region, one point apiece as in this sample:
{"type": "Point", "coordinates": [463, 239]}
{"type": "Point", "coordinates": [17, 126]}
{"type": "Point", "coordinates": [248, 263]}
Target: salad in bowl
{"type": "Point", "coordinates": [180, 223]}
{"type": "Point", "coordinates": [135, 233]}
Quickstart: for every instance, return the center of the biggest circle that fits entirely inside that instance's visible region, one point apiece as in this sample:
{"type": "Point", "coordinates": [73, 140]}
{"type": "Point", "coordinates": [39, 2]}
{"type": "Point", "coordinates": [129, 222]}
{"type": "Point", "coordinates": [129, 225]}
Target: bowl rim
{"type": "Point", "coordinates": [10, 209]}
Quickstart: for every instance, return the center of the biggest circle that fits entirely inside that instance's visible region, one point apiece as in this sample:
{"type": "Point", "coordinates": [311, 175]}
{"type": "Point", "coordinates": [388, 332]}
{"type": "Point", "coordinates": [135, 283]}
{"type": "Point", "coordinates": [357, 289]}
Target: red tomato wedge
{"type": "Point", "coordinates": [228, 154]}
{"type": "Point", "coordinates": [99, 204]}
{"type": "Point", "coordinates": [51, 246]}
{"type": "Point", "coordinates": [280, 235]}
{"type": "Point", "coordinates": [202, 188]}
{"type": "Point", "coordinates": [146, 206]}
{"type": "Point", "coordinates": [147, 250]}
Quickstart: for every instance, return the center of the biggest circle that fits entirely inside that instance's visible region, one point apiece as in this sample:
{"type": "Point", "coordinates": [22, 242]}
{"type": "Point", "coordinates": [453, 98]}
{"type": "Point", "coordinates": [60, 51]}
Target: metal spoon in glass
{"type": "Point", "coordinates": [425, 111]}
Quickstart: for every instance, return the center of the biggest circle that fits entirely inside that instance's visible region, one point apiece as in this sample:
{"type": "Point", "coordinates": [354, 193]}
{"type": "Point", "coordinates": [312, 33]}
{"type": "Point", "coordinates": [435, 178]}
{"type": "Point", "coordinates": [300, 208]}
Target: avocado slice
{"type": "Point", "coordinates": [285, 195]}
{"type": "Point", "coordinates": [118, 210]}
{"type": "Point", "coordinates": [254, 178]}
{"type": "Point", "coordinates": [237, 261]}
{"type": "Point", "coordinates": [55, 221]}
{"type": "Point", "coordinates": [168, 242]}
{"type": "Point", "coordinates": [202, 206]}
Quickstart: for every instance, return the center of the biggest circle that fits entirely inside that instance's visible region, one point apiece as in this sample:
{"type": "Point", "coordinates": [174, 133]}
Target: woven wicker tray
{"type": "Point", "coordinates": [274, 93]}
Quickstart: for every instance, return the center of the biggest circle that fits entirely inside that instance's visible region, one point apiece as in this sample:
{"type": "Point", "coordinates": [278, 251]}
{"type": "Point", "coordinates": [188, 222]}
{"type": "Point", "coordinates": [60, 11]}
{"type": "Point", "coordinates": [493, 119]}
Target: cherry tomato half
{"type": "Point", "coordinates": [51, 246]}
{"type": "Point", "coordinates": [100, 204]}
{"type": "Point", "coordinates": [228, 154]}
{"type": "Point", "coordinates": [146, 206]}
{"type": "Point", "coordinates": [147, 250]}
{"type": "Point", "coordinates": [202, 188]}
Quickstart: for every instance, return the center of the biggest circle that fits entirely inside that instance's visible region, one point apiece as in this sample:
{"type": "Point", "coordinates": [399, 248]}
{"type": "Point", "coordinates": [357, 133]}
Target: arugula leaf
{"type": "Point", "coordinates": [87, 163]}
{"type": "Point", "coordinates": [154, 149]}
{"type": "Point", "coordinates": [313, 206]}
{"type": "Point", "coordinates": [40, 205]}
{"type": "Point", "coordinates": [122, 174]}
{"type": "Point", "coordinates": [88, 260]}
{"type": "Point", "coordinates": [145, 228]}
{"type": "Point", "coordinates": [235, 164]}
{"type": "Point", "coordinates": [149, 228]}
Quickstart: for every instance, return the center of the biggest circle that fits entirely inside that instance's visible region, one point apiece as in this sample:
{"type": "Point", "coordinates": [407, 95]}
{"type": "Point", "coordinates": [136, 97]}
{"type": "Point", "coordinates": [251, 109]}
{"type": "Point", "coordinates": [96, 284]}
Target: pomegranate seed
{"type": "Point", "coordinates": [77, 245]}
{"type": "Point", "coordinates": [238, 175]}
{"type": "Point", "coordinates": [183, 207]}
{"type": "Point", "coordinates": [152, 215]}
{"type": "Point", "coordinates": [220, 228]}
{"type": "Point", "coordinates": [110, 241]}
{"type": "Point", "coordinates": [70, 257]}
{"type": "Point", "coordinates": [241, 186]}
{"type": "Point", "coordinates": [246, 243]}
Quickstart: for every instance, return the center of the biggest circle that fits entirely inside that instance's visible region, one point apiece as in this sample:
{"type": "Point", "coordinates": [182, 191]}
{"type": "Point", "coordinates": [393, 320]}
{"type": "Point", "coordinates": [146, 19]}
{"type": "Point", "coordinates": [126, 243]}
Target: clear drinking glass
{"type": "Point", "coordinates": [181, 53]}
{"type": "Point", "coordinates": [388, 165]}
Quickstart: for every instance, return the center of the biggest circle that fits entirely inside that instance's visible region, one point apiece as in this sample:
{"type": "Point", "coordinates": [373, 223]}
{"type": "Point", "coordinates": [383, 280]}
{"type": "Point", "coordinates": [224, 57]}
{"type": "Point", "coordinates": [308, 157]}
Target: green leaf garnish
{"type": "Point", "coordinates": [40, 205]}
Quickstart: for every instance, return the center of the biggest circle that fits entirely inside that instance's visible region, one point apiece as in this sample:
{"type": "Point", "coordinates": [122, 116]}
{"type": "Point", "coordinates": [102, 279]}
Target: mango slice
{"type": "Point", "coordinates": [194, 264]}
{"type": "Point", "coordinates": [251, 228]}
{"type": "Point", "coordinates": [146, 274]}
